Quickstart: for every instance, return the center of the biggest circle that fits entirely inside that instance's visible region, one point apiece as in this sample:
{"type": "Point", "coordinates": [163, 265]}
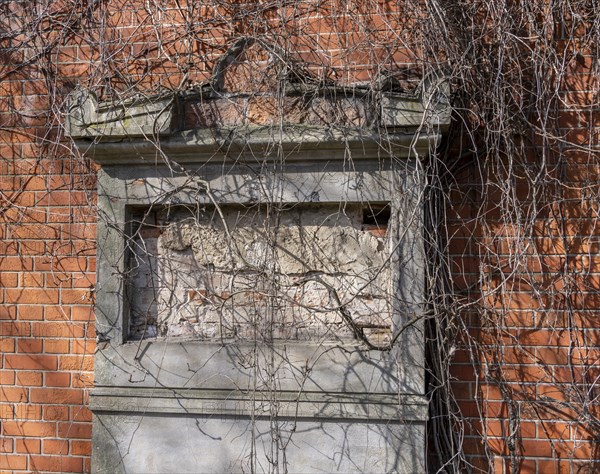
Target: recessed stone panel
{"type": "Point", "coordinates": [255, 272]}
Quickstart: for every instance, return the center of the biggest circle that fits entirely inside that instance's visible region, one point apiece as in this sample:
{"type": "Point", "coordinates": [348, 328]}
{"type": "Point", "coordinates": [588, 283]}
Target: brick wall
{"type": "Point", "coordinates": [47, 278]}
{"type": "Point", "coordinates": [532, 404]}
{"type": "Point", "coordinates": [535, 256]}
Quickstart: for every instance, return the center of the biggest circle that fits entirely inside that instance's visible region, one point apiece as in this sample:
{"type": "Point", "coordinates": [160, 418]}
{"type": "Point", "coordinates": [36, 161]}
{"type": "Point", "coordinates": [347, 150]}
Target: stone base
{"type": "Point", "coordinates": [217, 444]}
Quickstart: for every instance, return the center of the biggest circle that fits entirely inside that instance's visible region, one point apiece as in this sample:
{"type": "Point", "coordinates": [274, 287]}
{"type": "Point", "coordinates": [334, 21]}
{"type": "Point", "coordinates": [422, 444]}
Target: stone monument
{"type": "Point", "coordinates": [260, 285]}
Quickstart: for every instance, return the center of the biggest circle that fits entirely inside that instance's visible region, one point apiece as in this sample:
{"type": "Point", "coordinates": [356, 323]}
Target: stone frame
{"type": "Point", "coordinates": [143, 387]}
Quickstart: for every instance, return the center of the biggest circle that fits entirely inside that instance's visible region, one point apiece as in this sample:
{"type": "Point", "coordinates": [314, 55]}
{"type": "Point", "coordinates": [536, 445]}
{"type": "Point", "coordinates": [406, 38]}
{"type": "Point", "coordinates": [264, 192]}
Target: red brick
{"type": "Point", "coordinates": [75, 430]}
{"type": "Point", "coordinates": [6, 445]}
{"type": "Point", "coordinates": [13, 394]}
{"type": "Point", "coordinates": [28, 411]}
{"type": "Point", "coordinates": [61, 264]}
{"type": "Point", "coordinates": [81, 448]}
{"type": "Point", "coordinates": [57, 379]}
{"type": "Point", "coordinates": [84, 280]}
{"type": "Point", "coordinates": [32, 296]}
{"type": "Point", "coordinates": [56, 395]}
{"type": "Point", "coordinates": [7, 411]}
{"type": "Point", "coordinates": [57, 313]}
{"type": "Point", "coordinates": [29, 378]}
{"type": "Point", "coordinates": [77, 363]}
{"type": "Point", "coordinates": [13, 461]}
{"type": "Point", "coordinates": [36, 232]}
{"type": "Point", "coordinates": [83, 380]}
{"type": "Point", "coordinates": [7, 344]}
{"type": "Point", "coordinates": [31, 361]}
{"type": "Point", "coordinates": [55, 446]}
{"type": "Point", "coordinates": [62, 198]}
{"type": "Point", "coordinates": [12, 328]}
{"type": "Point", "coordinates": [79, 231]}
{"type": "Point", "coordinates": [7, 377]}
{"type": "Point", "coordinates": [37, 429]}
{"type": "Point", "coordinates": [83, 346]}
{"type": "Point", "coordinates": [536, 448]}
{"type": "Point", "coordinates": [34, 247]}
{"type": "Point", "coordinates": [557, 466]}
{"type": "Point", "coordinates": [75, 296]}
{"type": "Point", "coordinates": [8, 312]}
{"type": "Point", "coordinates": [32, 280]}
{"type": "Point", "coordinates": [28, 445]}
{"type": "Point", "coordinates": [29, 345]}
{"type": "Point", "coordinates": [56, 346]}
{"type": "Point", "coordinates": [56, 463]}
{"type": "Point", "coordinates": [31, 312]}
{"type": "Point", "coordinates": [9, 280]}
{"type": "Point", "coordinates": [57, 330]}
{"type": "Point", "coordinates": [15, 264]}
{"type": "Point", "coordinates": [81, 413]}
{"type": "Point", "coordinates": [82, 313]}
{"type": "Point", "coordinates": [556, 430]}
{"type": "Point", "coordinates": [56, 413]}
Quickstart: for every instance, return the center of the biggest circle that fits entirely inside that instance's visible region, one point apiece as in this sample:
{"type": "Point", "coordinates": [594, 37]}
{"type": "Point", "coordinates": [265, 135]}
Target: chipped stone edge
{"type": "Point", "coordinates": [141, 117]}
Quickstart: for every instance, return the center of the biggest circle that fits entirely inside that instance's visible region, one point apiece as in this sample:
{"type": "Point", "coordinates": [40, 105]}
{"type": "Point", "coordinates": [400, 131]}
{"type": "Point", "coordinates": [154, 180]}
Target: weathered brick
{"type": "Point", "coordinates": [57, 379]}
{"type": "Point", "coordinates": [57, 329]}
{"type": "Point", "coordinates": [55, 446]}
{"type": "Point", "coordinates": [83, 380]}
{"type": "Point", "coordinates": [77, 363]}
{"type": "Point", "coordinates": [82, 413]}
{"type": "Point", "coordinates": [75, 430]}
{"type": "Point", "coordinates": [81, 448]}
{"type": "Point", "coordinates": [13, 462]}
{"type": "Point", "coordinates": [9, 279]}
{"type": "Point", "coordinates": [82, 313]}
{"type": "Point", "coordinates": [36, 429]}
{"type": "Point", "coordinates": [13, 394]}
{"type": "Point", "coordinates": [31, 312]}
{"type": "Point", "coordinates": [12, 328]}
{"type": "Point", "coordinates": [32, 296]}
{"type": "Point", "coordinates": [6, 445]}
{"type": "Point", "coordinates": [56, 396]}
{"type": "Point", "coordinates": [29, 345]}
{"type": "Point", "coordinates": [29, 378]}
{"type": "Point", "coordinates": [28, 411]}
{"type": "Point", "coordinates": [57, 463]}
{"type": "Point", "coordinates": [56, 346]}
{"type": "Point", "coordinates": [31, 362]}
{"type": "Point", "coordinates": [7, 344]}
{"type": "Point", "coordinates": [28, 445]}
{"type": "Point", "coordinates": [56, 413]}
{"type": "Point", "coordinates": [8, 313]}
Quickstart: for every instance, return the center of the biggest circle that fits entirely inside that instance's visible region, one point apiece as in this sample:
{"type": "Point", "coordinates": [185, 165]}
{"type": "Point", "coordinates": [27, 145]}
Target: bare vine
{"type": "Point", "coordinates": [512, 192]}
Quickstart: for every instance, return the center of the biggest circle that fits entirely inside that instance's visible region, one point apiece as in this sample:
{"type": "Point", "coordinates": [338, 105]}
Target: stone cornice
{"type": "Point", "coordinates": [144, 130]}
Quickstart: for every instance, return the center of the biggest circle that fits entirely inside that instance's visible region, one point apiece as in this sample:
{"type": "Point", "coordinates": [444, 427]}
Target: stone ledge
{"type": "Point", "coordinates": [237, 403]}
{"type": "Point", "coordinates": [257, 143]}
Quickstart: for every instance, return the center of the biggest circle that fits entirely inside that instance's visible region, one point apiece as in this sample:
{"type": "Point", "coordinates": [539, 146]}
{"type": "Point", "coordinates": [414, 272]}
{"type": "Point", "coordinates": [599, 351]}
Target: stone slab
{"type": "Point", "coordinates": [218, 444]}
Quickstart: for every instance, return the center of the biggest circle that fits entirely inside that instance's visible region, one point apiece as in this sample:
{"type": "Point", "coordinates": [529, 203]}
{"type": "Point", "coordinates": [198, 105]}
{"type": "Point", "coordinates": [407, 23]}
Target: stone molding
{"type": "Point", "coordinates": [406, 124]}
{"type": "Point", "coordinates": [375, 407]}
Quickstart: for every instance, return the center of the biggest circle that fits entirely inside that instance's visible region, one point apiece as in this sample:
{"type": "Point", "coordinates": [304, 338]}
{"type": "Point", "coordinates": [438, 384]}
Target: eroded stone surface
{"type": "Point", "coordinates": [257, 273]}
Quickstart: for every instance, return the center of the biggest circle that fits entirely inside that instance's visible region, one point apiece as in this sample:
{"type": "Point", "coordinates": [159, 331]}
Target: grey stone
{"type": "Point", "coordinates": [139, 117]}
